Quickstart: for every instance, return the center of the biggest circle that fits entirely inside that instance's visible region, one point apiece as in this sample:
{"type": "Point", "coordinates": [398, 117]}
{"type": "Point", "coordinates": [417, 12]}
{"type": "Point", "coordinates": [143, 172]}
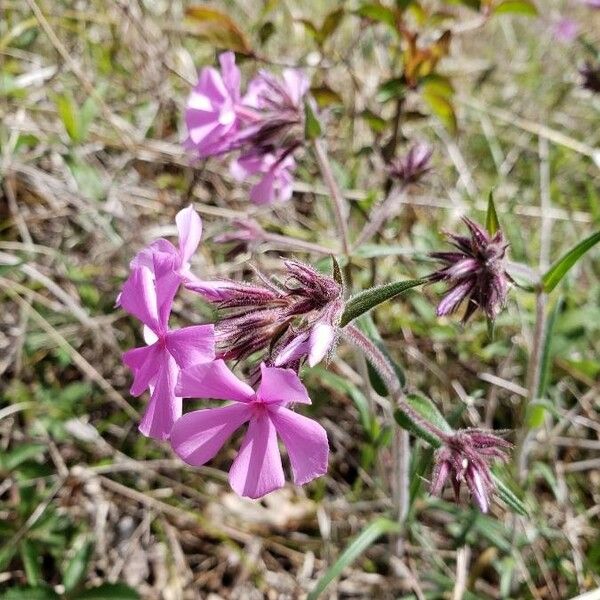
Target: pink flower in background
{"type": "Point", "coordinates": [592, 3]}
{"type": "Point", "coordinates": [210, 115]}
{"type": "Point", "coordinates": [257, 469]}
{"type": "Point", "coordinates": [266, 125]}
{"type": "Point", "coordinates": [565, 30]}
{"type": "Point", "coordinates": [157, 365]}
{"type": "Point", "coordinates": [276, 183]}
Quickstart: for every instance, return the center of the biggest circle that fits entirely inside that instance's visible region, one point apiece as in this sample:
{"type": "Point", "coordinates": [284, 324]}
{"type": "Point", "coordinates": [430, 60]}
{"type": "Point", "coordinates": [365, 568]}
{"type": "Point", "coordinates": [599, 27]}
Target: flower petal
{"type": "Point", "coordinates": [192, 345]}
{"type": "Point", "coordinates": [213, 380]}
{"type": "Point", "coordinates": [189, 226]}
{"type": "Point", "coordinates": [145, 363]}
{"type": "Point", "coordinates": [164, 407]}
{"type": "Point", "coordinates": [257, 469]}
{"type": "Point", "coordinates": [199, 435]}
{"type": "Point", "coordinates": [322, 337]}
{"type": "Point", "coordinates": [281, 386]}
{"type": "Point", "coordinates": [138, 297]}
{"type": "Point", "coordinates": [305, 441]}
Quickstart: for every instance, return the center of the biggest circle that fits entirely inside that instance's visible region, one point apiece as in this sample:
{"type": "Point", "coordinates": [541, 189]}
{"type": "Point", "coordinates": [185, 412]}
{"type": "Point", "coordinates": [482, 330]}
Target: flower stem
{"type": "Point", "coordinates": [339, 204]}
{"type": "Point", "coordinates": [380, 215]}
{"type": "Point", "coordinates": [381, 364]}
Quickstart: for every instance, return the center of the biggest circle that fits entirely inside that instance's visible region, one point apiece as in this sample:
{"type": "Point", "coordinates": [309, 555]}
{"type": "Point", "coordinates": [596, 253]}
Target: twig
{"type": "Point", "coordinates": [339, 204]}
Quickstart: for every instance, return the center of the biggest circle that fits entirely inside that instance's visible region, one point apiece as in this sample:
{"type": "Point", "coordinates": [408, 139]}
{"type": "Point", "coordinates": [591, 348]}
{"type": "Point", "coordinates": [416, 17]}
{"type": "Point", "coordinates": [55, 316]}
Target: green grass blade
{"type": "Point", "coordinates": [368, 535]}
{"type": "Point", "coordinates": [560, 268]}
{"type": "Point", "coordinates": [427, 409]}
{"type": "Point", "coordinates": [492, 224]}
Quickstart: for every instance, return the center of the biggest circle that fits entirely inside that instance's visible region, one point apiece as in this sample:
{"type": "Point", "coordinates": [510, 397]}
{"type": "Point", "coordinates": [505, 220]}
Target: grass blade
{"type": "Point", "coordinates": [560, 268]}
{"type": "Point", "coordinates": [374, 530]}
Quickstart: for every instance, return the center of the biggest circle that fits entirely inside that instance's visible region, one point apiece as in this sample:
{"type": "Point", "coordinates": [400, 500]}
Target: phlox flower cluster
{"type": "Point", "coordinates": [264, 126]}
{"type": "Point", "coordinates": [184, 363]}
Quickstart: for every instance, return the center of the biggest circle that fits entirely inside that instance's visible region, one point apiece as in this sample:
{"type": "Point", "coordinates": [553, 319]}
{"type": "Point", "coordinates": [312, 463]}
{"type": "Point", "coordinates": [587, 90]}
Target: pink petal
{"type": "Point", "coordinates": [138, 297]}
{"type": "Point", "coordinates": [230, 73]}
{"type": "Point", "coordinates": [199, 435]}
{"type": "Point", "coordinates": [298, 348]}
{"type": "Point", "coordinates": [189, 226]}
{"type": "Point", "coordinates": [281, 386]}
{"type": "Point", "coordinates": [296, 83]}
{"type": "Point", "coordinates": [213, 380]}
{"type": "Point", "coordinates": [145, 257]}
{"type": "Point", "coordinates": [322, 336]}
{"type": "Point", "coordinates": [164, 407]}
{"type": "Point", "coordinates": [212, 291]}
{"type": "Point", "coordinates": [145, 363]}
{"type": "Point", "coordinates": [453, 298]}
{"type": "Point", "coordinates": [192, 345]}
{"type": "Point", "coordinates": [305, 441]}
{"type": "Point", "coordinates": [257, 469]}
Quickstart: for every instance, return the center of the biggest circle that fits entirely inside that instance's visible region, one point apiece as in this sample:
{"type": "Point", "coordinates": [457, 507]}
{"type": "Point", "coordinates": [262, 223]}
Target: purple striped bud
{"type": "Point", "coordinates": [466, 457]}
{"type": "Point", "coordinates": [475, 272]}
{"type": "Point", "coordinates": [411, 167]}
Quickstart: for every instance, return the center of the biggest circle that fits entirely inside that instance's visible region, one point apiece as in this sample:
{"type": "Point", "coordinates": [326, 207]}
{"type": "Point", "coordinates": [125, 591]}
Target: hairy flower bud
{"type": "Point", "coordinates": [286, 322]}
{"type": "Point", "coordinates": [465, 457]}
{"type": "Point", "coordinates": [476, 272]}
{"type": "Point", "coordinates": [411, 167]}
{"type": "Point", "coordinates": [591, 77]}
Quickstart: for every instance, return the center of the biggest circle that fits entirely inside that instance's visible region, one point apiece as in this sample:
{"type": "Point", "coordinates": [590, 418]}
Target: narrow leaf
{"type": "Point", "coordinates": [337, 272]}
{"type": "Point", "coordinates": [357, 547]}
{"type": "Point", "coordinates": [29, 593]}
{"type": "Point", "coordinates": [109, 591]}
{"type": "Point", "coordinates": [29, 556]}
{"type": "Point", "coordinates": [365, 301]}
{"type": "Point", "coordinates": [78, 566]}
{"type": "Point", "coordinates": [520, 7]}
{"type": "Point", "coordinates": [219, 29]}
{"type": "Point", "coordinates": [312, 127]}
{"type": "Point", "coordinates": [560, 268]}
{"type": "Point", "coordinates": [491, 218]}
{"type": "Point", "coordinates": [508, 496]}
{"type": "Point", "coordinates": [426, 409]}
{"type": "Point", "coordinates": [67, 110]}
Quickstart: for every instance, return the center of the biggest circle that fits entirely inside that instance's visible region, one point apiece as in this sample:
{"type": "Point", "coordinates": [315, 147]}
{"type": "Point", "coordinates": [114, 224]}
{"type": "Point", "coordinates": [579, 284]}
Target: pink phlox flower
{"type": "Point", "coordinates": [266, 125]}
{"type": "Point", "coordinates": [257, 468]}
{"type": "Point", "coordinates": [157, 365]}
{"type": "Point", "coordinates": [170, 265]}
{"type": "Point", "coordinates": [211, 117]}
{"type": "Point", "coordinates": [276, 176]}
{"type": "Point", "coordinates": [565, 30]}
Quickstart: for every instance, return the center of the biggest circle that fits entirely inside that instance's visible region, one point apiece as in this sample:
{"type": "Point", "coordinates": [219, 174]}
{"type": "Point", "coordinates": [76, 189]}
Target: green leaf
{"type": "Point", "coordinates": [379, 13]}
{"type": "Point", "coordinates": [67, 110]}
{"type": "Point", "coordinates": [508, 496]}
{"type": "Point", "coordinates": [357, 547]}
{"type": "Point", "coordinates": [87, 113]}
{"type": "Point", "coordinates": [218, 28]}
{"type": "Point", "coordinates": [325, 96]}
{"type": "Point", "coordinates": [30, 593]}
{"type": "Point", "coordinates": [392, 89]}
{"type": "Point", "coordinates": [109, 591]}
{"type": "Point", "coordinates": [438, 85]}
{"type": "Point", "coordinates": [78, 565]}
{"type": "Point", "coordinates": [375, 122]}
{"type": "Point", "coordinates": [330, 24]}
{"type": "Point", "coordinates": [520, 7]}
{"type": "Point", "coordinates": [547, 350]}
{"type": "Point", "coordinates": [337, 272]}
{"type": "Point", "coordinates": [560, 268]}
{"type": "Point", "coordinates": [312, 127]}
{"type": "Point", "coordinates": [365, 301]}
{"type": "Point", "coordinates": [29, 556]}
{"type": "Point", "coordinates": [11, 460]}
{"type": "Point", "coordinates": [442, 108]}
{"type": "Point", "coordinates": [491, 218]}
{"type": "Point", "coordinates": [426, 409]}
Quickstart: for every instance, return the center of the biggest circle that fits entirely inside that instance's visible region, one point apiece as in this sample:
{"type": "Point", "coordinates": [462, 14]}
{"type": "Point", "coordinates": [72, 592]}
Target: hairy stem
{"type": "Point", "coordinates": [380, 215]}
{"type": "Point", "coordinates": [339, 204]}
{"type": "Point", "coordinates": [534, 367]}
{"type": "Point", "coordinates": [381, 364]}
